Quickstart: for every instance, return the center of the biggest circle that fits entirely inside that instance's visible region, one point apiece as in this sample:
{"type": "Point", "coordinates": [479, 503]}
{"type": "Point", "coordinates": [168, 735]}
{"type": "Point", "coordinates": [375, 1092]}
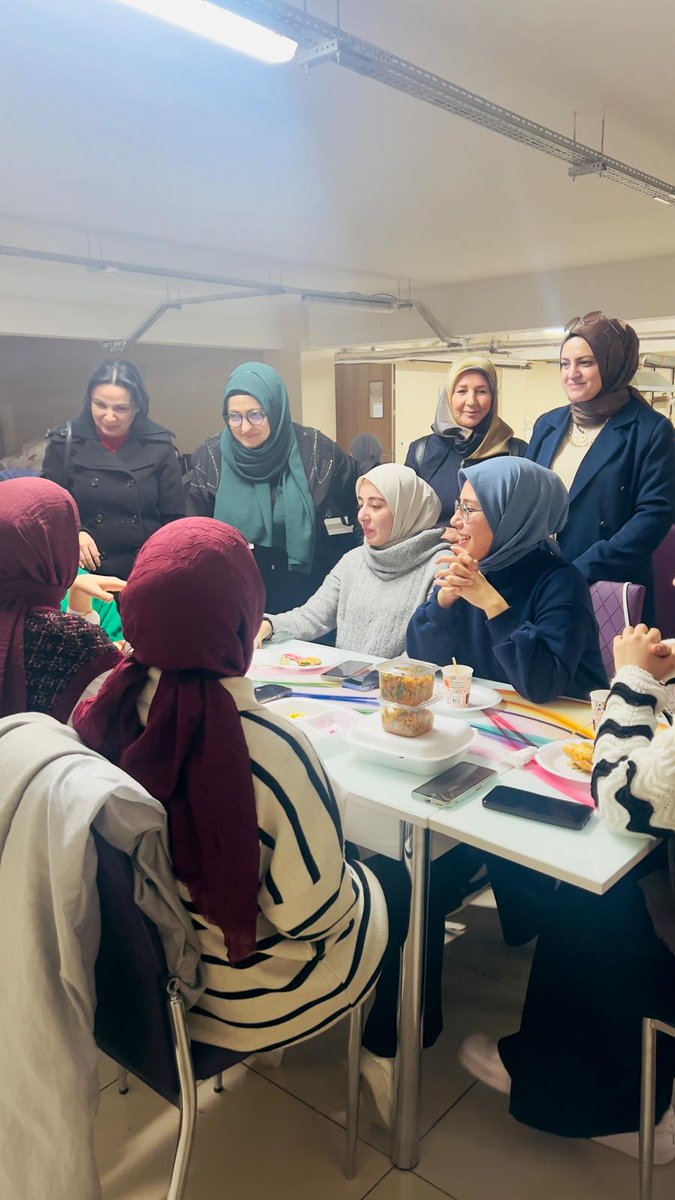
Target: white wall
{"type": "Point", "coordinates": [417, 385]}
{"type": "Point", "coordinates": [318, 391]}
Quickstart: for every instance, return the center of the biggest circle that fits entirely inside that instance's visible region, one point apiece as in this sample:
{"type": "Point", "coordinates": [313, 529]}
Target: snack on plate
{"type": "Point", "coordinates": [294, 660]}
{"type": "Point", "coordinates": [405, 721]}
{"type": "Point", "coordinates": [406, 681]}
{"type": "Point", "coordinates": [580, 755]}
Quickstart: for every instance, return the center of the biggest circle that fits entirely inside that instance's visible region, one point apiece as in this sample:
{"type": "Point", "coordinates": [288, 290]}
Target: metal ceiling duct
{"type": "Point", "coordinates": [320, 42]}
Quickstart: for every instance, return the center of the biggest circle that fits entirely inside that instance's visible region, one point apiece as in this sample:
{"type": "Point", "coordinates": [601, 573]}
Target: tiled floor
{"type": "Point", "coordinates": [275, 1134]}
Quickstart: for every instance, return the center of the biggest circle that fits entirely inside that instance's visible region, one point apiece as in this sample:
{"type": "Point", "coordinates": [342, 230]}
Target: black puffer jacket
{"type": "Point", "coordinates": [331, 475]}
{"type": "Point", "coordinates": [122, 497]}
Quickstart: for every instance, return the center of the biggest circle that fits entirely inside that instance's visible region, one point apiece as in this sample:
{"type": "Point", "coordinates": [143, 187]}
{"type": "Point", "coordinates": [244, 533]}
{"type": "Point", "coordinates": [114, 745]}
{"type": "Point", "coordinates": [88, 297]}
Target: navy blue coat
{"type": "Point", "coordinates": [622, 500]}
{"type": "Point", "coordinates": [544, 645]}
{"type": "Point", "coordinates": [437, 460]}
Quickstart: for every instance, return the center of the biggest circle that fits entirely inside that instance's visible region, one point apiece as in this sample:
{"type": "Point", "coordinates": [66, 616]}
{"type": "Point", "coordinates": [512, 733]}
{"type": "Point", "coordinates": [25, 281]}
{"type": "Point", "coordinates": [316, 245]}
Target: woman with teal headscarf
{"type": "Point", "coordinates": [275, 481]}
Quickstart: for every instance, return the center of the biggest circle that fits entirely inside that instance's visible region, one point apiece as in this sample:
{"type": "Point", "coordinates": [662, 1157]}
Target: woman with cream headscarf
{"type": "Point", "coordinates": [369, 597]}
{"type": "Point", "coordinates": [615, 455]}
{"type": "Point", "coordinates": [466, 429]}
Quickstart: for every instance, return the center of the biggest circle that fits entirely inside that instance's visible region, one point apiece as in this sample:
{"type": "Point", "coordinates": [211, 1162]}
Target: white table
{"type": "Point", "coordinates": [593, 858]}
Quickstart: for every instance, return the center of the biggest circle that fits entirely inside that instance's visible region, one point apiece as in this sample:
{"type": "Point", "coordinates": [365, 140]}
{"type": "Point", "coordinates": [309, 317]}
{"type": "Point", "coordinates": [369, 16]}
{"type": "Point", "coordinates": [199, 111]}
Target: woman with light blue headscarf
{"type": "Point", "coordinates": [507, 603]}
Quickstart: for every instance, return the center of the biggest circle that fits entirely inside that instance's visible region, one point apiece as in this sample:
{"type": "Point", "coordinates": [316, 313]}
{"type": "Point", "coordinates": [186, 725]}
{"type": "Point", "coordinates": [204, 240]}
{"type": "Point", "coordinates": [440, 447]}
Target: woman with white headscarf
{"type": "Point", "coordinates": [507, 603]}
{"type": "Point", "coordinates": [369, 597]}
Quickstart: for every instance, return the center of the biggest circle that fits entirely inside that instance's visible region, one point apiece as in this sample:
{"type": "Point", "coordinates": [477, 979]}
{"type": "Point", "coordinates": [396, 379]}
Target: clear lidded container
{"type": "Point", "coordinates": [407, 681]}
{"type": "Point", "coordinates": [407, 720]}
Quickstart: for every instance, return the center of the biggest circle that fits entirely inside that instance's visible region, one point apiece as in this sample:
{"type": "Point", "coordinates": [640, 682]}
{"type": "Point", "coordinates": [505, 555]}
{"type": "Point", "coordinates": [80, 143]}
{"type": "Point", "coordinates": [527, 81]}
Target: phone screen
{"type": "Point", "coordinates": [452, 784]}
{"type": "Point", "coordinates": [271, 691]}
{"type": "Point", "coordinates": [351, 666]}
{"type": "Point", "coordinates": [551, 810]}
{"type": "Point", "coordinates": [371, 679]}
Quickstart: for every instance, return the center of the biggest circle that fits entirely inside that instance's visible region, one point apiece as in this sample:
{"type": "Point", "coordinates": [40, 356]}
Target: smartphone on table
{"type": "Point", "coordinates": [453, 783]}
{"type": "Point", "coordinates": [363, 683]}
{"type": "Point", "coordinates": [344, 670]}
{"type": "Point", "coordinates": [550, 810]}
{"type": "Point", "coordinates": [271, 691]}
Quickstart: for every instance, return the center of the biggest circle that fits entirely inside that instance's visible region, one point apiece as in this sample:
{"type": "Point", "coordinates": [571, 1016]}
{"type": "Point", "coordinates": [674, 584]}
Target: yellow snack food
{"type": "Point", "coordinates": [580, 755]}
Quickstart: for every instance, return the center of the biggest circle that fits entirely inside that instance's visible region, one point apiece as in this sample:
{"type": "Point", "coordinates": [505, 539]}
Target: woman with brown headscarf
{"type": "Point", "coordinates": [615, 455]}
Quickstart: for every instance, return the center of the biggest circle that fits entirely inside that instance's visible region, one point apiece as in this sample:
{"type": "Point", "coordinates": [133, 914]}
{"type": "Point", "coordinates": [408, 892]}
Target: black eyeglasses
{"type": "Point", "coordinates": [593, 318]}
{"type": "Point", "coordinates": [255, 417]}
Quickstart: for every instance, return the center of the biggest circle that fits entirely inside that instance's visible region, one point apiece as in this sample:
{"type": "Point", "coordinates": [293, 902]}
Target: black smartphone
{"type": "Point", "coordinates": [362, 683]}
{"type": "Point", "coordinates": [343, 670]}
{"type": "Point", "coordinates": [551, 810]}
{"type": "Point", "coordinates": [271, 691]}
{"type": "Point", "coordinates": [453, 783]}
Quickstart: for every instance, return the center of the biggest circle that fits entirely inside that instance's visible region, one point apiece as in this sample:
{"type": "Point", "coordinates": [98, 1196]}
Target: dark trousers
{"type": "Point", "coordinates": [598, 969]}
{"type": "Point", "coordinates": [447, 883]}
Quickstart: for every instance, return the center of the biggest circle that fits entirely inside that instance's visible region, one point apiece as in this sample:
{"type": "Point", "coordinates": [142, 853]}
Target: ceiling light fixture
{"type": "Point", "coordinates": [218, 25]}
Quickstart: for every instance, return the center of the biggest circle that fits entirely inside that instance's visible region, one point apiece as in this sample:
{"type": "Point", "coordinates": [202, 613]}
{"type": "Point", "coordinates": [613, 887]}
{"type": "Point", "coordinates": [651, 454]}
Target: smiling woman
{"type": "Point", "coordinates": [615, 455]}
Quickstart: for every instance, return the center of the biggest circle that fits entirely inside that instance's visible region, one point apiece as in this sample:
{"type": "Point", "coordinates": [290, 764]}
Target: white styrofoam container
{"type": "Point", "coordinates": [426, 755]}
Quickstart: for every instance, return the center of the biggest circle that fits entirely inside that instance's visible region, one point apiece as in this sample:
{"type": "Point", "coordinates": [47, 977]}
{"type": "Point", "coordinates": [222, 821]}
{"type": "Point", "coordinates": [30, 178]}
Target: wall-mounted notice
{"type": "Point", "coordinates": [376, 399]}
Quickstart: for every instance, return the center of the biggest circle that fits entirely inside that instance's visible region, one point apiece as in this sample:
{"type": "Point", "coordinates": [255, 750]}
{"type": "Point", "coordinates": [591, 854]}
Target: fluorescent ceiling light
{"type": "Point", "coordinates": [210, 21]}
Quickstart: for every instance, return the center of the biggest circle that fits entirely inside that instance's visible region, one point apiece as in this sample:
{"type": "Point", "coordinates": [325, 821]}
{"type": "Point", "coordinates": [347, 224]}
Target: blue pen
{"type": "Point", "coordinates": [338, 699]}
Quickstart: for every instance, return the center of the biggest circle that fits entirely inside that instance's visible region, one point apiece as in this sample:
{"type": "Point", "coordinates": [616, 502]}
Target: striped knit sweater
{"type": "Point", "coordinates": [322, 922]}
{"type": "Point", "coordinates": [634, 776]}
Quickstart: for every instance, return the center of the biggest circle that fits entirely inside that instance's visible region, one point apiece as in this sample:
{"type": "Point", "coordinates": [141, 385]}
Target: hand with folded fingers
{"type": "Point", "coordinates": [461, 578]}
{"type": "Point", "coordinates": [644, 647]}
{"type": "Point", "coordinates": [86, 588]}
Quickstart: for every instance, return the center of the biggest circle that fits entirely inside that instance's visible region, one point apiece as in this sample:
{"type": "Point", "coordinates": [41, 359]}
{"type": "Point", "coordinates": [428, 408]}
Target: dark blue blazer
{"type": "Point", "coordinates": [622, 500]}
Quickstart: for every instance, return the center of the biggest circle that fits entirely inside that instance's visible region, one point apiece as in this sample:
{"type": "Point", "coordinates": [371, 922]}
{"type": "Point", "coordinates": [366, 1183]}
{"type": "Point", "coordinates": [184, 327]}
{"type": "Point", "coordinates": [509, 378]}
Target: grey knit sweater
{"type": "Point", "coordinates": [369, 597]}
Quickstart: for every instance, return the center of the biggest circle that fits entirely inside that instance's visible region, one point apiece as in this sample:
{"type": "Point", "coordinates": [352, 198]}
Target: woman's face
{"type": "Point", "coordinates": [248, 421]}
{"type": "Point", "coordinates": [579, 370]}
{"type": "Point", "coordinates": [475, 535]}
{"type": "Point", "coordinates": [471, 399]}
{"type": "Point", "coordinates": [375, 515]}
{"type": "Point", "coordinates": [112, 409]}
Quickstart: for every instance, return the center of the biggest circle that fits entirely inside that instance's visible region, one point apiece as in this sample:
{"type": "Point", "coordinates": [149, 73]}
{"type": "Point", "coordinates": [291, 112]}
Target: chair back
{"type": "Point", "coordinates": [663, 564]}
{"type": "Point", "coordinates": [132, 1022]}
{"type": "Point", "coordinates": [615, 605]}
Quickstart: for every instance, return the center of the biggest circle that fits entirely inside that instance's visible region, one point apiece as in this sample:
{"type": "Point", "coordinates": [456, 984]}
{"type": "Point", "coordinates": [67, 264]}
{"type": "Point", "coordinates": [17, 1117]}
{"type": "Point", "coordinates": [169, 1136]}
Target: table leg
{"type": "Point", "coordinates": [405, 1147]}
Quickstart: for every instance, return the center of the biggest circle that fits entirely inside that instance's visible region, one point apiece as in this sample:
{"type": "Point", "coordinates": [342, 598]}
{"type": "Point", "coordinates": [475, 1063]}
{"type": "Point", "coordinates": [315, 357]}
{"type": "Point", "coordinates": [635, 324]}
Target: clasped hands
{"type": "Point", "coordinates": [461, 578]}
{"type": "Point", "coordinates": [643, 647]}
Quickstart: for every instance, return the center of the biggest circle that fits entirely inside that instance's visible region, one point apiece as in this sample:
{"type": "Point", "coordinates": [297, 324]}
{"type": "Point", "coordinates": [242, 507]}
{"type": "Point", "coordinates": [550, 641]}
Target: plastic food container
{"type": "Point", "coordinates": [407, 720]}
{"type": "Point", "coordinates": [407, 681]}
{"type": "Point", "coordinates": [426, 755]}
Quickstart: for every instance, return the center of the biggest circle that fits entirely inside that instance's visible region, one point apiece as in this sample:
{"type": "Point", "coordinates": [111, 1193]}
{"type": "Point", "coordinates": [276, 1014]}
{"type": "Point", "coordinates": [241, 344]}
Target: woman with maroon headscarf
{"type": "Point", "coordinates": [48, 659]}
{"type": "Point", "coordinates": [615, 455]}
{"type": "Point", "coordinates": [291, 934]}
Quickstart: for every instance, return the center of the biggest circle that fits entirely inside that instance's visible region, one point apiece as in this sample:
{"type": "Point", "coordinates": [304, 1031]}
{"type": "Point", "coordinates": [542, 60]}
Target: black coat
{"type": "Point", "coordinates": [331, 475]}
{"type": "Point", "coordinates": [438, 460]}
{"type": "Point", "coordinates": [122, 497]}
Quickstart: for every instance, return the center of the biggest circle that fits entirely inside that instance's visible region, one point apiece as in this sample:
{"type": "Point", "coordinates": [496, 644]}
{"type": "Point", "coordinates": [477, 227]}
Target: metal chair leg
{"type": "Point", "coordinates": [353, 1088]}
{"type": "Point", "coordinates": [122, 1081]}
{"type": "Point", "coordinates": [218, 1082]}
{"type": "Point", "coordinates": [188, 1094]}
{"type": "Point", "coordinates": [648, 1084]}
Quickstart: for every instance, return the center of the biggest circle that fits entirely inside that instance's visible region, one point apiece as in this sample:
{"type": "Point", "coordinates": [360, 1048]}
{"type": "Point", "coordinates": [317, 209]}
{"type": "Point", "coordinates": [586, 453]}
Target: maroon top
{"type": "Point", "coordinates": [192, 607]}
{"type": "Point", "coordinates": [39, 556]}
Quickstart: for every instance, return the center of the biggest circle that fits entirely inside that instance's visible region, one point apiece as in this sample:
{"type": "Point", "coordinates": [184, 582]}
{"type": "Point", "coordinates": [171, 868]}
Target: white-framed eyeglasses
{"type": "Point", "coordinates": [255, 417]}
{"type": "Point", "coordinates": [464, 510]}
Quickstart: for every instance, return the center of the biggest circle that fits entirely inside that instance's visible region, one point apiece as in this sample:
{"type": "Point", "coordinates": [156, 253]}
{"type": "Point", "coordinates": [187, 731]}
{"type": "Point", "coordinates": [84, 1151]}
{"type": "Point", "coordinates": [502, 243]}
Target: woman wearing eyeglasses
{"type": "Point", "coordinates": [275, 481]}
{"type": "Point", "coordinates": [615, 455]}
{"type": "Point", "coordinates": [507, 602]}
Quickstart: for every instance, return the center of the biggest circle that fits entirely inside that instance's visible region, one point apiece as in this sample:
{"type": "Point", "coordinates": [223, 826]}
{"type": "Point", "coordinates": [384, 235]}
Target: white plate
{"type": "Point", "coordinates": [273, 658]}
{"type": "Point", "coordinates": [426, 755]}
{"type": "Point", "coordinates": [553, 759]}
{"type": "Point", "coordinates": [480, 697]}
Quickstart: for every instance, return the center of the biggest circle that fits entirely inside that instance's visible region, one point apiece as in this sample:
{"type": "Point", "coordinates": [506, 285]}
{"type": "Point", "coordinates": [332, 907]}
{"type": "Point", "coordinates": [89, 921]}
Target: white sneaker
{"type": "Point", "coordinates": [378, 1075]}
{"type": "Point", "coordinates": [629, 1143]}
{"type": "Point", "coordinates": [479, 1056]}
